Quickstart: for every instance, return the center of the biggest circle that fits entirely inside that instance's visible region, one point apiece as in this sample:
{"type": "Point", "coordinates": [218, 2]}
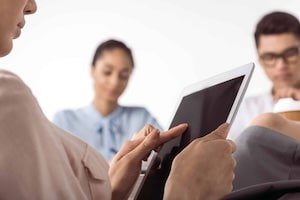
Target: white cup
{"type": "Point", "coordinates": [289, 108]}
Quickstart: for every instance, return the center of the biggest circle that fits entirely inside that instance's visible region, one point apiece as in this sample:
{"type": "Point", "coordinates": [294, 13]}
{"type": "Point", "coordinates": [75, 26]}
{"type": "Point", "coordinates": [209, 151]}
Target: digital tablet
{"type": "Point", "coordinates": [204, 106]}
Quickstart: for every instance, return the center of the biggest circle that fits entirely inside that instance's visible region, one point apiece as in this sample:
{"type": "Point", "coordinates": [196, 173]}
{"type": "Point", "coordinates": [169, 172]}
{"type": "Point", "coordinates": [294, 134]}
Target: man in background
{"type": "Point", "coordinates": [277, 39]}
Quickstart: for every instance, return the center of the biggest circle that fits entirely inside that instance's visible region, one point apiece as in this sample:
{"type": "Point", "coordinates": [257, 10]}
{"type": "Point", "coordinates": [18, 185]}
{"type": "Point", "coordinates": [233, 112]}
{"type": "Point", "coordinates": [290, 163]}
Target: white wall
{"type": "Point", "coordinates": [175, 42]}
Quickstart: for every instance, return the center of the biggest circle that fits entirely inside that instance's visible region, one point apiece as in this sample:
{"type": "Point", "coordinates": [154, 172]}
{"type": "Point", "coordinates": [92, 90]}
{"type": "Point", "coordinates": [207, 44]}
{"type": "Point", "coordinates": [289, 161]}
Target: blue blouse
{"type": "Point", "coordinates": [106, 134]}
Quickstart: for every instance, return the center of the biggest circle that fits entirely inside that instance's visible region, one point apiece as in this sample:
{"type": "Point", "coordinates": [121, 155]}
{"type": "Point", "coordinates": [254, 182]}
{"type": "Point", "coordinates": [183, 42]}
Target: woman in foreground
{"type": "Point", "coordinates": [41, 161]}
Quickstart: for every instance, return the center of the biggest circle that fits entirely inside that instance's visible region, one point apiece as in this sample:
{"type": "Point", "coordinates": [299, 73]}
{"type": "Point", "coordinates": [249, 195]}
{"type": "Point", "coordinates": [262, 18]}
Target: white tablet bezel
{"type": "Point", "coordinates": [244, 70]}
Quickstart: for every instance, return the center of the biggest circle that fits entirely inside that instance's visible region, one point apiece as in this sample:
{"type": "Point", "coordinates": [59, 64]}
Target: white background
{"type": "Point", "coordinates": [175, 43]}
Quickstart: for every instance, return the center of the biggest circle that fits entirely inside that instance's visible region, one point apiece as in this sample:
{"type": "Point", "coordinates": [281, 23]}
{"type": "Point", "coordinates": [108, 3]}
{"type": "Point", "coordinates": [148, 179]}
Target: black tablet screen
{"type": "Point", "coordinates": [204, 111]}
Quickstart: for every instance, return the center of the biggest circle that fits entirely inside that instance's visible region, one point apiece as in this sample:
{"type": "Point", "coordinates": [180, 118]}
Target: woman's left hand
{"type": "Point", "coordinates": [126, 165]}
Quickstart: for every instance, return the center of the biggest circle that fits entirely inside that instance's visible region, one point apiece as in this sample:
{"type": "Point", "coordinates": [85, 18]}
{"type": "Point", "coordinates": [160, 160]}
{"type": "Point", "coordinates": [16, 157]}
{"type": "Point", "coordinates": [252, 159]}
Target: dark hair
{"type": "Point", "coordinates": [277, 23]}
{"type": "Point", "coordinates": [109, 45]}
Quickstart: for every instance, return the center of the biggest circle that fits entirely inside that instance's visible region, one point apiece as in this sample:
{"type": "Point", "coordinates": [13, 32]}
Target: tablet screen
{"type": "Point", "coordinates": [204, 111]}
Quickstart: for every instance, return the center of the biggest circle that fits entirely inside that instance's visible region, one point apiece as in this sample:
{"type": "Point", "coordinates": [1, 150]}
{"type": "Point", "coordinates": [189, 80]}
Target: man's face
{"type": "Point", "coordinates": [280, 59]}
{"type": "Point", "coordinates": [12, 21]}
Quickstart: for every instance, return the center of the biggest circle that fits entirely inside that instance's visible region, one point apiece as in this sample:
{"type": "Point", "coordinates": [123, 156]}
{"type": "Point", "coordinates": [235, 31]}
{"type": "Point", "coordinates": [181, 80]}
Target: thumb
{"type": "Point", "coordinates": [220, 133]}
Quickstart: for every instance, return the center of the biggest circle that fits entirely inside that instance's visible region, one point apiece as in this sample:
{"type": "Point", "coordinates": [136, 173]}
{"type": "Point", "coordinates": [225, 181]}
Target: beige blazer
{"type": "Point", "coordinates": [38, 160]}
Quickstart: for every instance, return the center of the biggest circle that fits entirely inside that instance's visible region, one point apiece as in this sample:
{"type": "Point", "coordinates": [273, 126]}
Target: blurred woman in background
{"type": "Point", "coordinates": [105, 124]}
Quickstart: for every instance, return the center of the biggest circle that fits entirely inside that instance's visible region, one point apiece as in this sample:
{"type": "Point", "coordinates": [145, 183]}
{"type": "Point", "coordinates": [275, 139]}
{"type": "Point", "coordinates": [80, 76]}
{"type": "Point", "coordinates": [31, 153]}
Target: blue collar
{"type": "Point", "coordinates": [96, 120]}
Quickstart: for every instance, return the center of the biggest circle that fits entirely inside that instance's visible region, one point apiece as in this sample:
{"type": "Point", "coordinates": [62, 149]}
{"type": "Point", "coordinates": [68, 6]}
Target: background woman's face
{"type": "Point", "coordinates": [111, 74]}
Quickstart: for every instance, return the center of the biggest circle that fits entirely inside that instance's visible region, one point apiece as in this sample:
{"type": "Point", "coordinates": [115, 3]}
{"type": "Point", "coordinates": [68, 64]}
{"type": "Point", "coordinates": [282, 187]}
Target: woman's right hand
{"type": "Point", "coordinates": [204, 169]}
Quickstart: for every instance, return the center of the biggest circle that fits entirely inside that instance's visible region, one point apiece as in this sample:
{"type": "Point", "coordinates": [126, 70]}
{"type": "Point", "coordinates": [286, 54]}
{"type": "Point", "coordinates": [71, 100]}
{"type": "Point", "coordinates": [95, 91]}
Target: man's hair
{"type": "Point", "coordinates": [277, 23]}
{"type": "Point", "coordinates": [110, 45]}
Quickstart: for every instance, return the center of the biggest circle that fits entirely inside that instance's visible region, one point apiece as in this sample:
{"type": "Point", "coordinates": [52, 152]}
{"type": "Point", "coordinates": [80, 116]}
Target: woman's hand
{"type": "Point", "coordinates": [204, 169]}
{"type": "Point", "coordinates": [126, 165]}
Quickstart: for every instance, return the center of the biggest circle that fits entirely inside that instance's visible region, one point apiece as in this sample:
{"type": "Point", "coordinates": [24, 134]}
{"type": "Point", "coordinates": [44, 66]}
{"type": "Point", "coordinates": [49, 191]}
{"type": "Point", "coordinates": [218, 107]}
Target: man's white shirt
{"type": "Point", "coordinates": [250, 108]}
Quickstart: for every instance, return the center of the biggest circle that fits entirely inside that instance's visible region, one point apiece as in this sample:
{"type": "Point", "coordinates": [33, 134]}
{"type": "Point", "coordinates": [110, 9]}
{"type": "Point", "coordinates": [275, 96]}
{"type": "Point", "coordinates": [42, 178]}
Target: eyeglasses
{"type": "Point", "coordinates": [289, 56]}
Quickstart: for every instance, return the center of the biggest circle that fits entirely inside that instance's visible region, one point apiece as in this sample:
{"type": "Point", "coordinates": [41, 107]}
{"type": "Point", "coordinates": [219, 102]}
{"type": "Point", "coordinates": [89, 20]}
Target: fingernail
{"type": "Point", "coordinates": [184, 124]}
{"type": "Point", "coordinates": [156, 131]}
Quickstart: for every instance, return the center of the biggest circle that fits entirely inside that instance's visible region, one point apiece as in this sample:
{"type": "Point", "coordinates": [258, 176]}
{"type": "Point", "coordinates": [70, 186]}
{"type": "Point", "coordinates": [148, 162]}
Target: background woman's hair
{"type": "Point", "coordinates": [109, 45]}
